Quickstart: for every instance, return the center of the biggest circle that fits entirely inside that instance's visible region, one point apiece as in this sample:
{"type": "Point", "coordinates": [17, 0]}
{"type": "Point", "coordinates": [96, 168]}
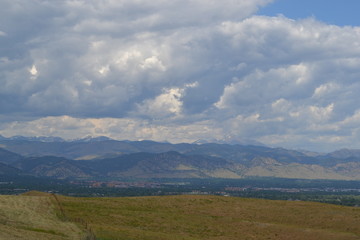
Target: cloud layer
{"type": "Point", "coordinates": [177, 71]}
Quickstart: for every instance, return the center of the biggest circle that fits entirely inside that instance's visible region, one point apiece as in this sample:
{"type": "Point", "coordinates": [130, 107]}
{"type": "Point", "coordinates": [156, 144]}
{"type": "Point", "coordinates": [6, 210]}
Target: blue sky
{"type": "Point", "coordinates": [226, 71]}
{"type": "Point", "coordinates": [336, 12]}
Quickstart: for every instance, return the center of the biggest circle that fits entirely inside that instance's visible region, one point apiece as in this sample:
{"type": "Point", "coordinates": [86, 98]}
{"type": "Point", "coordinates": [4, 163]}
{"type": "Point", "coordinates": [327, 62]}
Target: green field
{"type": "Point", "coordinates": [213, 217]}
{"type": "Point", "coordinates": [174, 218]}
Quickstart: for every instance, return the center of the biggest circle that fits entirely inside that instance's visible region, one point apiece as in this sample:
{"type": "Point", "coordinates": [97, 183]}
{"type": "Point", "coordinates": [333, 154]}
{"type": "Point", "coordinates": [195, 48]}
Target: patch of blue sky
{"type": "Point", "coordinates": [334, 12]}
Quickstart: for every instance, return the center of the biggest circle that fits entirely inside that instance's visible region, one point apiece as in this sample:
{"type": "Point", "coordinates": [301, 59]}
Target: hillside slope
{"type": "Point", "coordinates": [8, 157]}
{"type": "Point", "coordinates": [166, 165]}
{"type": "Point", "coordinates": [213, 218]}
{"type": "Point", "coordinates": [34, 218]}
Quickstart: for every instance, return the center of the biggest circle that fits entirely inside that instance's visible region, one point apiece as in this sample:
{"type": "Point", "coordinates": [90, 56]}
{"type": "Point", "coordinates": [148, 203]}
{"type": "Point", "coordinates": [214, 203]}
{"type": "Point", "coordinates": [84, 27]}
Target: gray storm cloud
{"type": "Point", "coordinates": [177, 71]}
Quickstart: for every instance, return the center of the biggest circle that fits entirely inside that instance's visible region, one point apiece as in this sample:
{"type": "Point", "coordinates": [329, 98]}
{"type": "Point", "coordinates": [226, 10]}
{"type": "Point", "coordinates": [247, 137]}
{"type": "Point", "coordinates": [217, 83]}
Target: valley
{"type": "Point", "coordinates": [146, 168]}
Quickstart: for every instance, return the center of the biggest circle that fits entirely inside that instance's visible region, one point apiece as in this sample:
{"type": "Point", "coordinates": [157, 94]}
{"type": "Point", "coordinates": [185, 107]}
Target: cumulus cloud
{"type": "Point", "coordinates": [197, 69]}
{"type": "Point", "coordinates": [166, 104]}
{"type": "Point", "coordinates": [117, 128]}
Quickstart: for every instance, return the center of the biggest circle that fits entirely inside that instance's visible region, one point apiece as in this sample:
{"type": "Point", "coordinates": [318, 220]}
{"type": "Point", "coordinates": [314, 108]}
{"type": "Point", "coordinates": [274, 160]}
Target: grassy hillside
{"type": "Point", "coordinates": [212, 218]}
{"type": "Point", "coordinates": [34, 218]}
{"type": "Point", "coordinates": [40, 216]}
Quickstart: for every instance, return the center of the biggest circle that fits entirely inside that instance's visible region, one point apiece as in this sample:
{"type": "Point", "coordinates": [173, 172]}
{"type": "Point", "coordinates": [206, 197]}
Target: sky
{"type": "Point", "coordinates": [336, 12]}
{"type": "Point", "coordinates": [283, 73]}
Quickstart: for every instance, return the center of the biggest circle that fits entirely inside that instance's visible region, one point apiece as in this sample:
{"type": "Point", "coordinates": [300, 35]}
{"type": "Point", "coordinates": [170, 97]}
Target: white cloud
{"type": "Point", "coordinates": [324, 89]}
{"type": "Point", "coordinates": [34, 72]}
{"type": "Point", "coordinates": [157, 66]}
{"type": "Point", "coordinates": [166, 104]}
{"type": "Point", "coordinates": [122, 129]}
{"type": "Point", "coordinates": [263, 87]}
{"type": "Point", "coordinates": [153, 63]}
{"type": "Point", "coordinates": [281, 105]}
{"type": "Point", "coordinates": [321, 113]}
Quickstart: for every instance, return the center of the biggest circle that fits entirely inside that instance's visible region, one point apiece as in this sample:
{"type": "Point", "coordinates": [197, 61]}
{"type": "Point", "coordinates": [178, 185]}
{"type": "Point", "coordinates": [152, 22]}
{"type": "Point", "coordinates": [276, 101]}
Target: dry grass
{"type": "Point", "coordinates": [34, 218]}
{"type": "Point", "coordinates": [213, 218]}
{"type": "Point", "coordinates": [37, 216]}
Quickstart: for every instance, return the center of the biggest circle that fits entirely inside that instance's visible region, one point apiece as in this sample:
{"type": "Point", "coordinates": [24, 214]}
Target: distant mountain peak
{"type": "Point", "coordinates": [345, 153]}
{"type": "Point", "coordinates": [200, 141]}
{"type": "Point", "coordinates": [53, 139]}
{"type": "Point", "coordinates": [33, 138]}
{"type": "Point", "coordinates": [231, 140]}
{"type": "Point", "coordinates": [92, 139]}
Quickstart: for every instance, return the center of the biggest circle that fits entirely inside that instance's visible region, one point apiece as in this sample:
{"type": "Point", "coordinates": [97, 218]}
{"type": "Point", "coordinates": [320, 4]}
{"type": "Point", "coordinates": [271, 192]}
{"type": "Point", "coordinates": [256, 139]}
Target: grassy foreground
{"type": "Point", "coordinates": [43, 216]}
{"type": "Point", "coordinates": [34, 217]}
{"type": "Point", "coordinates": [212, 218]}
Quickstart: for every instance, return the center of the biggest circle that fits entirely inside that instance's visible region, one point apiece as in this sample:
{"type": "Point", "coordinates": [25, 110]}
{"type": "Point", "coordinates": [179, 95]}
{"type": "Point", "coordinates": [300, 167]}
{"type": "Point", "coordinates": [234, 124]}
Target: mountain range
{"type": "Point", "coordinates": [102, 157]}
